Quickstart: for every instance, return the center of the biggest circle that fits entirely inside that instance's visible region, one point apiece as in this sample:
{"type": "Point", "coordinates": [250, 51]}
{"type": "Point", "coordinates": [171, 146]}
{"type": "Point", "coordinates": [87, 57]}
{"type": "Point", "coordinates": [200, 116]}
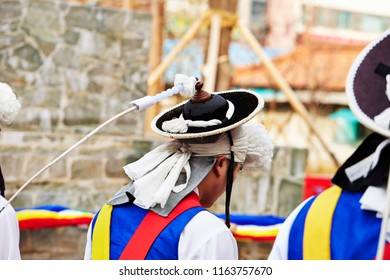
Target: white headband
{"type": "Point", "coordinates": [154, 175]}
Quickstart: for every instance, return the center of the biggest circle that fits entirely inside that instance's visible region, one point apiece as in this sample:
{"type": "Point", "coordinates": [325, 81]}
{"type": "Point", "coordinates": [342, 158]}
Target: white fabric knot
{"type": "Point", "coordinates": [9, 105]}
{"type": "Point", "coordinates": [184, 148]}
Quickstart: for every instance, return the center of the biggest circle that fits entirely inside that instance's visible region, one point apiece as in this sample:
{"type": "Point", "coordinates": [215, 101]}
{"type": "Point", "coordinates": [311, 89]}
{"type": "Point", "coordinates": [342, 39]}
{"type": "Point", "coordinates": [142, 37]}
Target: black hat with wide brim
{"type": "Point", "coordinates": [366, 83]}
{"type": "Point", "coordinates": [246, 105]}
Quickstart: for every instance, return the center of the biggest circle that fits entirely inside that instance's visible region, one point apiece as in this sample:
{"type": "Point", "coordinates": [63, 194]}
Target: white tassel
{"type": "Point", "coordinates": [188, 84]}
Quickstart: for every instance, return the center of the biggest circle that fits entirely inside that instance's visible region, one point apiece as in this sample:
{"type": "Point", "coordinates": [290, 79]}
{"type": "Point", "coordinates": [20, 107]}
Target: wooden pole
{"type": "Point", "coordinates": [155, 57]}
{"type": "Point", "coordinates": [188, 36]}
{"type": "Point", "coordinates": [224, 68]}
{"type": "Point", "coordinates": [283, 85]}
{"type": "Point", "coordinates": [211, 67]}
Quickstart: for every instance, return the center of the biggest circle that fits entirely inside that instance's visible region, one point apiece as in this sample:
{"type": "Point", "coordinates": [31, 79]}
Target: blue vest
{"type": "Point", "coordinates": [125, 220]}
{"type": "Point", "coordinates": [354, 233]}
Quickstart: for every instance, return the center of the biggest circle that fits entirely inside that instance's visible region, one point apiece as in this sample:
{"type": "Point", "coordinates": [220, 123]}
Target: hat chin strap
{"type": "Point", "coordinates": [2, 184]}
{"type": "Point", "coordinates": [229, 181]}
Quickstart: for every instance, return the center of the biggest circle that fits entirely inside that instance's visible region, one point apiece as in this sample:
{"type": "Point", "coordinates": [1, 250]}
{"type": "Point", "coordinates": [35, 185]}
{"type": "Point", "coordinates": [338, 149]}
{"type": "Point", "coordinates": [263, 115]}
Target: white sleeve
{"type": "Point", "coordinates": [206, 237]}
{"type": "Point", "coordinates": [9, 232]}
{"type": "Point", "coordinates": [280, 247]}
{"type": "Point", "coordinates": [88, 246]}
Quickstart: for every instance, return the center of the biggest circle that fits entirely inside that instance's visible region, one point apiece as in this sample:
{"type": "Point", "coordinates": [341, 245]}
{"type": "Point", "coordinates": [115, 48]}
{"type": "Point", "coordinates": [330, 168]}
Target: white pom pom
{"type": "Point", "coordinates": [188, 84]}
{"type": "Point", "coordinates": [9, 105]}
{"type": "Point", "coordinates": [260, 148]}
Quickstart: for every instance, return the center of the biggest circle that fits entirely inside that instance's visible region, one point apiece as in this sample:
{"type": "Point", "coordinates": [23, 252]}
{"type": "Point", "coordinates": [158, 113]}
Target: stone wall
{"type": "Point", "coordinates": [72, 67]}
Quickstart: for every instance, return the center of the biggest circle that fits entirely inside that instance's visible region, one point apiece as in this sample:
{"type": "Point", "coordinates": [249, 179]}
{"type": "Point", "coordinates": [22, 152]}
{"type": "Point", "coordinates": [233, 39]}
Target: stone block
{"type": "Point", "coordinates": [83, 109]}
{"type": "Point", "coordinates": [111, 22]}
{"type": "Point", "coordinates": [142, 146]}
{"type": "Point", "coordinates": [66, 57]}
{"type": "Point", "coordinates": [9, 41]}
{"type": "Point", "coordinates": [71, 36]}
{"type": "Point", "coordinates": [59, 170]}
{"type": "Point", "coordinates": [87, 168]}
{"type": "Point", "coordinates": [62, 243]}
{"type": "Point", "coordinates": [10, 11]}
{"type": "Point", "coordinates": [82, 17]}
{"type": "Point", "coordinates": [43, 21]}
{"type": "Point", "coordinates": [114, 168]}
{"type": "Point", "coordinates": [251, 250]}
{"type": "Point", "coordinates": [12, 163]}
{"type": "Point", "coordinates": [290, 196]}
{"type": "Point", "coordinates": [27, 57]}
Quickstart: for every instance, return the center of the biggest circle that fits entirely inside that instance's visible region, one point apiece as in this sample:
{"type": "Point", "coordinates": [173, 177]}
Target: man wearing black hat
{"type": "Point", "coordinates": [346, 221]}
{"type": "Point", "coordinates": [161, 213]}
{"type": "Point", "coordinates": [9, 227]}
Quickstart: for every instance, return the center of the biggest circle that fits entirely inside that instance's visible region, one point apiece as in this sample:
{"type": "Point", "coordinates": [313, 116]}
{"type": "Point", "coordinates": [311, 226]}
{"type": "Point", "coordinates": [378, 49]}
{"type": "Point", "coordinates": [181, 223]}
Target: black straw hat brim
{"type": "Point", "coordinates": [365, 88]}
{"type": "Point", "coordinates": [246, 103]}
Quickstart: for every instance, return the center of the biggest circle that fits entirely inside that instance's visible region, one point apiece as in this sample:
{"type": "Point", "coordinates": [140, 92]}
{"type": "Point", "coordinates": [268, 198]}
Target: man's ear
{"type": "Point", "coordinates": [219, 165]}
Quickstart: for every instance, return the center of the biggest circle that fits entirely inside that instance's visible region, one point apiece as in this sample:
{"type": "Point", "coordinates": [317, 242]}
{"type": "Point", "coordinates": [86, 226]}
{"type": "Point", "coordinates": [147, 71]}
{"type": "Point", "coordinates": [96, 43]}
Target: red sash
{"type": "Point", "coordinates": [151, 226]}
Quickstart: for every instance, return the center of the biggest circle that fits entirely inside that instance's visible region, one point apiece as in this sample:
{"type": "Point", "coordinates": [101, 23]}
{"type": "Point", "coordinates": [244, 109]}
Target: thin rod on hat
{"type": "Point", "coordinates": [385, 219]}
{"type": "Point", "coordinates": [182, 84]}
{"type": "Point", "coordinates": [85, 138]}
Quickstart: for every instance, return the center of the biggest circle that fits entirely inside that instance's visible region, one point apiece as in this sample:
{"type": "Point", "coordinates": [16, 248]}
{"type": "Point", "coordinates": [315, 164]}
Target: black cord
{"type": "Point", "coordinates": [2, 184]}
{"type": "Point", "coordinates": [229, 182]}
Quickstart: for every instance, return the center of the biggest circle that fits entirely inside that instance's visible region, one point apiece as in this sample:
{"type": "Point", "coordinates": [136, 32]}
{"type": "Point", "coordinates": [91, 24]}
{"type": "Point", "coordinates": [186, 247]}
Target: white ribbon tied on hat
{"type": "Point", "coordinates": [154, 175]}
{"type": "Point", "coordinates": [383, 119]}
{"type": "Point", "coordinates": [180, 125]}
